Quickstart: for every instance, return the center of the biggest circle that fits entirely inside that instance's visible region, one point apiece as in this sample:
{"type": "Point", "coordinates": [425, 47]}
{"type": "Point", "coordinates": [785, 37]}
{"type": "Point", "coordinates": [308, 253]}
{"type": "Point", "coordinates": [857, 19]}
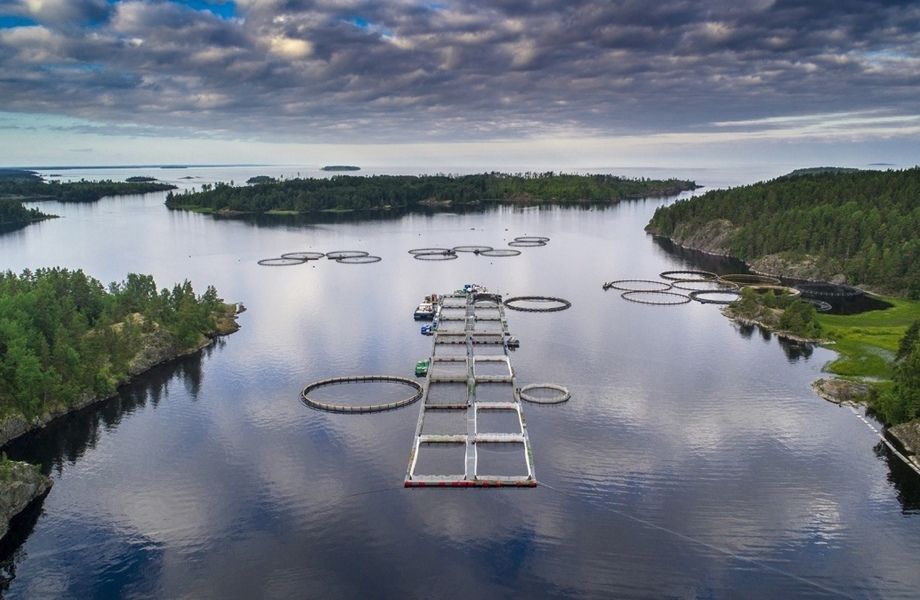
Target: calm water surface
{"type": "Point", "coordinates": [692, 461]}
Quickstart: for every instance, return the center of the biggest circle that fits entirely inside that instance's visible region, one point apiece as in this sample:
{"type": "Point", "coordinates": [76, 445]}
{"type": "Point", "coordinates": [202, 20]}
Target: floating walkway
{"type": "Point", "coordinates": [471, 430]}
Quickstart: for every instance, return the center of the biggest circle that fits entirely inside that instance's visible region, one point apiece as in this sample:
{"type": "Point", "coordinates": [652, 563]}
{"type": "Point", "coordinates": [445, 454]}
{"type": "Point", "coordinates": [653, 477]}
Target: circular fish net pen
{"type": "Point", "coordinates": [532, 238]}
{"type": "Point", "coordinates": [703, 285]}
{"type": "Point", "coordinates": [526, 244]}
{"type": "Point", "coordinates": [337, 254]}
{"type": "Point", "coordinates": [820, 305]}
{"type": "Point", "coordinates": [426, 251]}
{"type": "Point", "coordinates": [715, 296]}
{"type": "Point", "coordinates": [282, 262]}
{"type": "Point", "coordinates": [304, 255]}
{"type": "Point", "coordinates": [358, 260]}
{"type": "Point", "coordinates": [638, 285]}
{"type": "Point", "coordinates": [361, 408]}
{"type": "Point", "coordinates": [688, 275]}
{"type": "Point", "coordinates": [749, 279]}
{"type": "Point", "coordinates": [656, 298]}
{"type": "Point", "coordinates": [439, 256]}
{"type": "Point", "coordinates": [829, 290]}
{"type": "Point", "coordinates": [474, 249]}
{"type": "Point", "coordinates": [500, 253]}
{"type": "Point", "coordinates": [530, 393]}
{"type": "Point", "coordinates": [554, 304]}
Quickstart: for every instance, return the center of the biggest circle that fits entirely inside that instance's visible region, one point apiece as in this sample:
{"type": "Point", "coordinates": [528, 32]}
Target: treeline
{"type": "Point", "coordinates": [34, 189]}
{"type": "Point", "coordinates": [781, 313]}
{"type": "Point", "coordinates": [863, 224]}
{"type": "Point", "coordinates": [12, 212]}
{"type": "Point", "coordinates": [64, 336]}
{"type": "Point", "coordinates": [348, 192]}
{"type": "Point", "coordinates": [901, 401]}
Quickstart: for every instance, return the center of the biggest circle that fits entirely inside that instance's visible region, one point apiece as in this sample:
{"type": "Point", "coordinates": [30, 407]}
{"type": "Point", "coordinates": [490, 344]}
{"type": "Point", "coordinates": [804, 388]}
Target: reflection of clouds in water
{"type": "Point", "coordinates": [675, 418]}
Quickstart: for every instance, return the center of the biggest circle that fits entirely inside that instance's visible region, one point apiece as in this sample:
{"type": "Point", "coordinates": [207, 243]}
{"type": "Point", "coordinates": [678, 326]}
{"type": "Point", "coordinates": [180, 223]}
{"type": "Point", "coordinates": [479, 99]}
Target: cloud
{"type": "Point", "coordinates": [357, 71]}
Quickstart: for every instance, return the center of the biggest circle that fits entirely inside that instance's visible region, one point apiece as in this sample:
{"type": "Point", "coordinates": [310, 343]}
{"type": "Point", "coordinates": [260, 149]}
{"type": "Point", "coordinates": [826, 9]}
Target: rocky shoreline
{"type": "Point", "coordinates": [21, 484]}
{"type": "Point", "coordinates": [777, 332]}
{"type": "Point", "coordinates": [845, 391]}
{"type": "Point", "coordinates": [713, 239]}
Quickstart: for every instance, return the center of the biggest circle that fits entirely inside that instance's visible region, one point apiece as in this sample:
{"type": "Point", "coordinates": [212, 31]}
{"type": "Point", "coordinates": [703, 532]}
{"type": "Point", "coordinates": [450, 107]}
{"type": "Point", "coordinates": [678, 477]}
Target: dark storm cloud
{"type": "Point", "coordinates": [351, 70]}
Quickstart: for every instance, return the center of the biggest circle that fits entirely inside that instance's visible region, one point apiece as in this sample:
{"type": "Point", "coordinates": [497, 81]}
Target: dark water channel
{"type": "Point", "coordinates": [693, 460]}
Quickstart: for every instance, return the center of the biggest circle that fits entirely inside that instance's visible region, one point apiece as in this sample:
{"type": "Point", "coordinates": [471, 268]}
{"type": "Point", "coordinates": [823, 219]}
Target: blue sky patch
{"type": "Point", "coordinates": [8, 22]}
{"type": "Point", "coordinates": [224, 10]}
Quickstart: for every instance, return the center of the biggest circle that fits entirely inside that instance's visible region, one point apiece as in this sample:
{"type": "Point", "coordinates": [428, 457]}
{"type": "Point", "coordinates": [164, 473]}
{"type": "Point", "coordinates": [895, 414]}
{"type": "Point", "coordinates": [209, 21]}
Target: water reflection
{"type": "Point", "coordinates": [212, 479]}
{"type": "Point", "coordinates": [903, 478]}
{"type": "Point", "coordinates": [67, 438]}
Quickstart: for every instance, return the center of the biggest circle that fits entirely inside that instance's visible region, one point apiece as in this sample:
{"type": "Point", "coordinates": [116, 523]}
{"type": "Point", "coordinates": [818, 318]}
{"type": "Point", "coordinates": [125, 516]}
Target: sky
{"type": "Point", "coordinates": [544, 83]}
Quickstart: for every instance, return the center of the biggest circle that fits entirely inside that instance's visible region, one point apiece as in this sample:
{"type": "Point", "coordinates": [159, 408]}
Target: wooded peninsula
{"type": "Point", "coordinates": [18, 186]}
{"type": "Point", "coordinates": [389, 192]}
{"type": "Point", "coordinates": [28, 186]}
{"type": "Point", "coordinates": [66, 340]}
{"type": "Point", "coordinates": [858, 227]}
{"type": "Point", "coordinates": [854, 226]}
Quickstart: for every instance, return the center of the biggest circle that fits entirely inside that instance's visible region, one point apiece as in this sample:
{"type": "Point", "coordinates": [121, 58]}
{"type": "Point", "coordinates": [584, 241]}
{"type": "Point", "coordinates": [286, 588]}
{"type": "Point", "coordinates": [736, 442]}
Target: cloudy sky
{"type": "Point", "coordinates": [568, 82]}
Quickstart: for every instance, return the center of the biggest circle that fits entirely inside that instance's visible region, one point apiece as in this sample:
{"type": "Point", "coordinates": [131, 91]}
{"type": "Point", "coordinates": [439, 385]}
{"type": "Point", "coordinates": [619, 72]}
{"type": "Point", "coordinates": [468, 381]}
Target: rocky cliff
{"type": "Point", "coordinates": [20, 485]}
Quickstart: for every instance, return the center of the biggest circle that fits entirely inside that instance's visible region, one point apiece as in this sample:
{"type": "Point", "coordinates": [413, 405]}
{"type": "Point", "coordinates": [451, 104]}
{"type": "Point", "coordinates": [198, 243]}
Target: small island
{"type": "Point", "coordinates": [341, 168]}
{"type": "Point", "coordinates": [260, 179]}
{"type": "Point", "coordinates": [343, 193]}
{"type": "Point", "coordinates": [140, 179]}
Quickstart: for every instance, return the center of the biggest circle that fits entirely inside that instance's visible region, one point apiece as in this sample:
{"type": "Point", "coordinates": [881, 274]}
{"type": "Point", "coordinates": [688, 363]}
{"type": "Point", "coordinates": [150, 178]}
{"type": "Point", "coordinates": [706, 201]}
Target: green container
{"type": "Point", "coordinates": [421, 368]}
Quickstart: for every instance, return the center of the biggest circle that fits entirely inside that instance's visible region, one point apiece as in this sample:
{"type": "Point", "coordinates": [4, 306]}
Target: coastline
{"type": "Point", "coordinates": [837, 390]}
{"type": "Point", "coordinates": [14, 426]}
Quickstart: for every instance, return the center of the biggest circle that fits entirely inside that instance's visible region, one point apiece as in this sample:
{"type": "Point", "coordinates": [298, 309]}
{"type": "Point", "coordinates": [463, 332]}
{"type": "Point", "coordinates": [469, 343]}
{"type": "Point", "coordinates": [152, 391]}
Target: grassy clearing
{"type": "Point", "coordinates": [867, 342]}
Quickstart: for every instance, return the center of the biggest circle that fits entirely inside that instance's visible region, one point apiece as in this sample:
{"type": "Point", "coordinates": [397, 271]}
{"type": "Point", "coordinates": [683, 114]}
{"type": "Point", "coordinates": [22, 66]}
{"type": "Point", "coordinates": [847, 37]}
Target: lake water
{"type": "Point", "coordinates": [693, 460]}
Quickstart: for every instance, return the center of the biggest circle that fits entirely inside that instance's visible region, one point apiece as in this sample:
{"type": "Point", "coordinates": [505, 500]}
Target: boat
{"type": "Point", "coordinates": [427, 330]}
{"type": "Point", "coordinates": [424, 312]}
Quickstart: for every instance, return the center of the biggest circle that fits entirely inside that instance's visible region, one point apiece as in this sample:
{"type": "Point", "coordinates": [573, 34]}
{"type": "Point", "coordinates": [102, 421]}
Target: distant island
{"type": "Point", "coordinates": [140, 179]}
{"type": "Point", "coordinates": [341, 168]}
{"type": "Point", "coordinates": [260, 179]}
{"type": "Point", "coordinates": [394, 192]}
{"type": "Point", "coordinates": [819, 171]}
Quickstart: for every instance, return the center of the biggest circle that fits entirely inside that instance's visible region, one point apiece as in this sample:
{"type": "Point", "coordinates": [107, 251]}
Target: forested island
{"type": "Point", "coordinates": [340, 168]}
{"type": "Point", "coordinates": [28, 186]}
{"type": "Point", "coordinates": [858, 227]}
{"type": "Point", "coordinates": [391, 192]}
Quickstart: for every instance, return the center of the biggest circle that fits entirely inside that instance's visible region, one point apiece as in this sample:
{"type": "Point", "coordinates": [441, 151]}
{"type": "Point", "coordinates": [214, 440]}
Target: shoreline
{"type": "Point", "coordinates": [835, 389]}
{"type": "Point", "coordinates": [15, 426]}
